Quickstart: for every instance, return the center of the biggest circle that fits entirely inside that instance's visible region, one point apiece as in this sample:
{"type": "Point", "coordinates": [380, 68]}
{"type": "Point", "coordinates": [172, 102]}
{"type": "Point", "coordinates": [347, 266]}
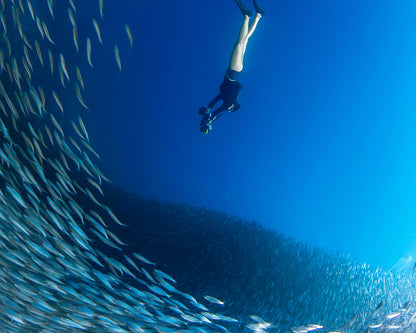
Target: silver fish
{"type": "Point", "coordinates": [75, 37]}
{"type": "Point", "coordinates": [101, 5]}
{"type": "Point", "coordinates": [129, 35]}
{"type": "Point", "coordinates": [97, 30]}
{"type": "Point", "coordinates": [39, 52]}
{"type": "Point", "coordinates": [63, 66]}
{"type": "Point", "coordinates": [50, 7]}
{"type": "Point", "coordinates": [79, 96]}
{"type": "Point", "coordinates": [58, 101]}
{"type": "Point", "coordinates": [117, 55]}
{"type": "Point", "coordinates": [89, 52]}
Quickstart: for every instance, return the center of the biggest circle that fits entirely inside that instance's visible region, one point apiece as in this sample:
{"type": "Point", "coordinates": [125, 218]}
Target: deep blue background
{"type": "Point", "coordinates": [324, 146]}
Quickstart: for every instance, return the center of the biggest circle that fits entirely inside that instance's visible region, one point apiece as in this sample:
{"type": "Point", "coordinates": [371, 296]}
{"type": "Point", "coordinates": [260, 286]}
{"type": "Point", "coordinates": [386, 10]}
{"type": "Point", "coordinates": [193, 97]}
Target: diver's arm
{"type": "Point", "coordinates": [214, 101]}
{"type": "Point", "coordinates": [217, 112]}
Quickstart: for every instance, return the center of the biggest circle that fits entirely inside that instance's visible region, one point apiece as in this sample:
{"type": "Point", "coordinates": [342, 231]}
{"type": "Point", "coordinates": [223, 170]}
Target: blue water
{"type": "Point", "coordinates": [323, 148]}
{"type": "Point", "coordinates": [328, 176]}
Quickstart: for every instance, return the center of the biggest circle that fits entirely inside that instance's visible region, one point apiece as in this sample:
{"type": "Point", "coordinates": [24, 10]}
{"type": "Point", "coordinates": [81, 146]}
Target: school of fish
{"type": "Point", "coordinates": [265, 280]}
{"type": "Point", "coordinates": [52, 277]}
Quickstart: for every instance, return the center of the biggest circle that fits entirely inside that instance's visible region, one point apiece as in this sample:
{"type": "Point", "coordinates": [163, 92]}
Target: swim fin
{"type": "Point", "coordinates": [243, 8]}
{"type": "Point", "coordinates": [258, 9]}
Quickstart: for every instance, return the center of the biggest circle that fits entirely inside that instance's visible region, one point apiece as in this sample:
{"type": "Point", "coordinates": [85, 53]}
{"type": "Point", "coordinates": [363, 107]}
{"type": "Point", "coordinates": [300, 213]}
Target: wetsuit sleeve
{"type": "Point", "coordinates": [214, 101]}
{"type": "Point", "coordinates": [217, 111]}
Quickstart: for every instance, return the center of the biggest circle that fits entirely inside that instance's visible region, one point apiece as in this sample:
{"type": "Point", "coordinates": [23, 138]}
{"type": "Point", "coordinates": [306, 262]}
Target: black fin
{"type": "Point", "coordinates": [243, 8]}
{"type": "Point", "coordinates": [258, 9]}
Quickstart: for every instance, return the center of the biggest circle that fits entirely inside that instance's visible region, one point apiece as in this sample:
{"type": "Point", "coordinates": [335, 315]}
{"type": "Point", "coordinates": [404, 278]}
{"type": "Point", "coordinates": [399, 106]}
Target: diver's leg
{"type": "Point", "coordinates": [251, 29]}
{"type": "Point", "coordinates": [236, 61]}
{"type": "Point", "coordinates": [253, 25]}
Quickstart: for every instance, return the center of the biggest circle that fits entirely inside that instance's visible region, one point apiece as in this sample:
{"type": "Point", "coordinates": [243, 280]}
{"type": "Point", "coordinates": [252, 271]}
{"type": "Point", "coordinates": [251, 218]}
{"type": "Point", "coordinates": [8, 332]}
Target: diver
{"type": "Point", "coordinates": [230, 87]}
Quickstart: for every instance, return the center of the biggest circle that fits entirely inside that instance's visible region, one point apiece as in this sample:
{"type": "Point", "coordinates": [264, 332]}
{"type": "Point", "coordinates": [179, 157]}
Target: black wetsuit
{"type": "Point", "coordinates": [229, 90]}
